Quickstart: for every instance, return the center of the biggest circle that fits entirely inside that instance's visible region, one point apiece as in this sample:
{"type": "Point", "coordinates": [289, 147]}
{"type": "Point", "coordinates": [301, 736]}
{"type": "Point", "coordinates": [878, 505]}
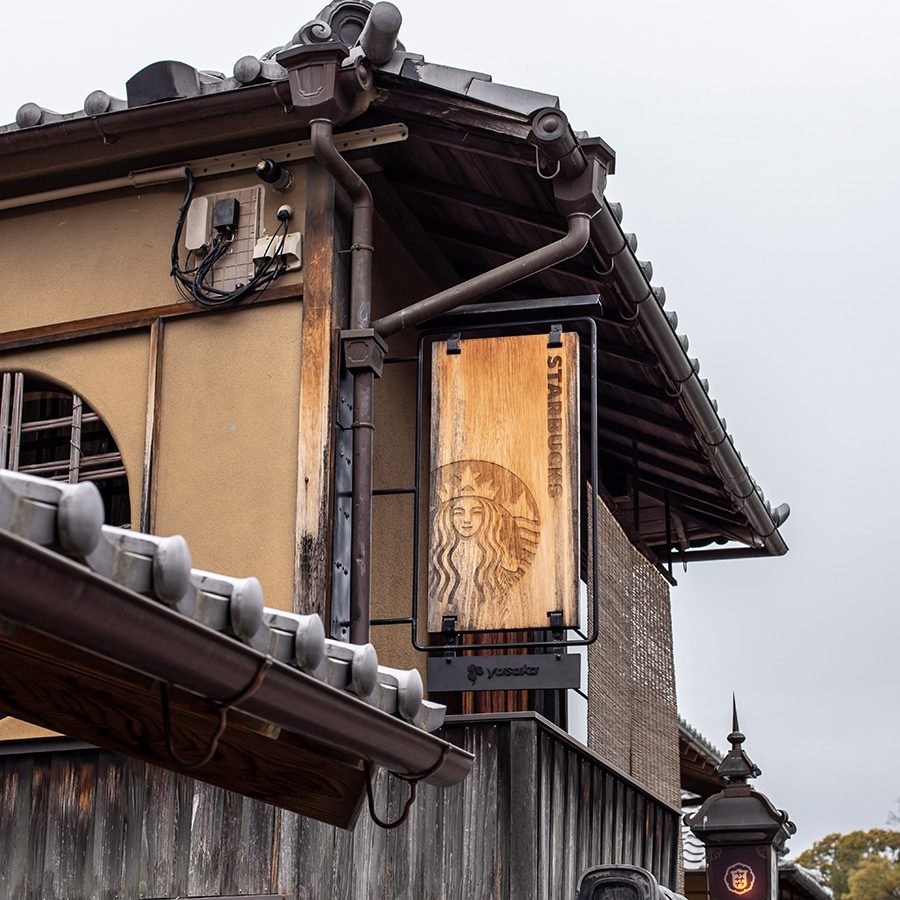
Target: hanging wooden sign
{"type": "Point", "coordinates": [503, 505]}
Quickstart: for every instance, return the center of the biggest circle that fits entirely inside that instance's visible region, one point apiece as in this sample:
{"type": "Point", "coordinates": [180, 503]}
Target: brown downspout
{"type": "Point", "coordinates": [579, 194]}
{"type": "Point", "coordinates": [321, 134]}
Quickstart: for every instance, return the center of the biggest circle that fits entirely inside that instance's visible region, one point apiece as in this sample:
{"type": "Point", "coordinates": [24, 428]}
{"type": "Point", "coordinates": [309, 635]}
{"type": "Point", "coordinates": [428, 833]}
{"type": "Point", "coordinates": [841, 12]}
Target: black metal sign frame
{"type": "Point", "coordinates": [586, 327]}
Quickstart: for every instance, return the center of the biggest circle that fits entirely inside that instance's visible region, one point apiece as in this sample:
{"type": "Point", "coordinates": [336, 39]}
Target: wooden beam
{"type": "Point", "coordinates": [686, 498]}
{"type": "Point", "coordinates": [658, 445]}
{"type": "Point", "coordinates": [440, 117]}
{"type": "Point", "coordinates": [639, 415]}
{"type": "Point", "coordinates": [695, 520]}
{"type": "Point", "coordinates": [324, 305]}
{"type": "Point", "coordinates": [487, 243]}
{"type": "Point", "coordinates": [640, 388]}
{"type": "Point", "coordinates": [629, 354]}
{"type": "Point", "coordinates": [672, 469]}
{"type": "Point", "coordinates": [151, 433]}
{"type": "Point", "coordinates": [132, 320]}
{"type": "Point", "coordinates": [404, 224]}
{"type": "Point", "coordinates": [458, 195]}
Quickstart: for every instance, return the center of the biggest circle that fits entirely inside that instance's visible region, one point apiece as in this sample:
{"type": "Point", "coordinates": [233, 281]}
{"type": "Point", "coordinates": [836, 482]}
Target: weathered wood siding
{"type": "Point", "coordinates": [536, 811]}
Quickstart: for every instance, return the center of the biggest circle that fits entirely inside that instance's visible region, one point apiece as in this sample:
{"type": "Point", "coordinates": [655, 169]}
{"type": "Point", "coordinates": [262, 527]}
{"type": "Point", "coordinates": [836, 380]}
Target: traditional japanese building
{"type": "Point", "coordinates": [386, 416]}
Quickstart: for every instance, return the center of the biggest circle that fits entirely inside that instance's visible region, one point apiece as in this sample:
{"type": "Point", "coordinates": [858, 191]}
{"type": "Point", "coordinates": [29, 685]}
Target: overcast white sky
{"type": "Point", "coordinates": [758, 163]}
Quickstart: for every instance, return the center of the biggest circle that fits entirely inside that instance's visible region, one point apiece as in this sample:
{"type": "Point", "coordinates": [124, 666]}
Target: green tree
{"type": "Point", "coordinates": [872, 856]}
{"type": "Point", "coordinates": [875, 878]}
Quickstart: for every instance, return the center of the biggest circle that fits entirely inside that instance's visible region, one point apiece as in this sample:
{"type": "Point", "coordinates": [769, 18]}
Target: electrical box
{"type": "Point", "coordinates": [237, 266]}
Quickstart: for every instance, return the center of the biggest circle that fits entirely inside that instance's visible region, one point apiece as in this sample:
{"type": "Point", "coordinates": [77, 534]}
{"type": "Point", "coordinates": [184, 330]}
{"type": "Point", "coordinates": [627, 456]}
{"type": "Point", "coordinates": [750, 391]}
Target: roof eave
{"type": "Point", "coordinates": [143, 635]}
{"type": "Point", "coordinates": [636, 288]}
{"type": "Point", "coordinates": [74, 150]}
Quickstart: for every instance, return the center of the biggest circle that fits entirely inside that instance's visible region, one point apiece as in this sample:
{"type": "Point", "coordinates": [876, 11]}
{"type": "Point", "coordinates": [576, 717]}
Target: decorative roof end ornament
{"type": "Point", "coordinates": [737, 767]}
{"type": "Point", "coordinates": [341, 20]}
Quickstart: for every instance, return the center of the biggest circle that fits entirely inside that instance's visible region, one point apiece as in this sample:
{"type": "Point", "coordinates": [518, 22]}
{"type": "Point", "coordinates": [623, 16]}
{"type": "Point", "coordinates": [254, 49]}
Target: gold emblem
{"type": "Point", "coordinates": [739, 878]}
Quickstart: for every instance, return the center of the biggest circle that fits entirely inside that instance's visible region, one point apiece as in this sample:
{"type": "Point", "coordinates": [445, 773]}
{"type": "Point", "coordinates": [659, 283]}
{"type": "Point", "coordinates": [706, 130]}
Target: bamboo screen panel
{"type": "Point", "coordinates": [632, 711]}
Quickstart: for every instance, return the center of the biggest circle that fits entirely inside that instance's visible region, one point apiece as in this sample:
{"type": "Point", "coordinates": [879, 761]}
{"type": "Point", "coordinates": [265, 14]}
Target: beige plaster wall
{"type": "Point", "coordinates": [108, 253]}
{"type": "Point", "coordinates": [111, 374]}
{"type": "Point", "coordinates": [17, 730]}
{"type": "Point", "coordinates": [227, 450]}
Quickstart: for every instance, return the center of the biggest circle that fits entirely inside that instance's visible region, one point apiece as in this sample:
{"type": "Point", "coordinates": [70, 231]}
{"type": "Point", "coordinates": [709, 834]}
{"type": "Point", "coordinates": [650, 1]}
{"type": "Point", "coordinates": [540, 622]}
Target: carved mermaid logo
{"type": "Point", "coordinates": [485, 529]}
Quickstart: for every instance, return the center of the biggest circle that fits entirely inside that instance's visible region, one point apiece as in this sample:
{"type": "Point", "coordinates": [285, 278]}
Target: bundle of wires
{"type": "Point", "coordinates": [192, 281]}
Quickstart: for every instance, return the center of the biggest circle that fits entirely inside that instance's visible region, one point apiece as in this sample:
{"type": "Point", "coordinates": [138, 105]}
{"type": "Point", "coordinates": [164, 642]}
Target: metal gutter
{"type": "Point", "coordinates": [27, 746]}
{"type": "Point", "coordinates": [692, 556]}
{"type": "Point", "coordinates": [574, 241]}
{"type": "Point", "coordinates": [51, 594]}
{"type": "Point", "coordinates": [635, 287]}
{"type": "Point", "coordinates": [363, 428]}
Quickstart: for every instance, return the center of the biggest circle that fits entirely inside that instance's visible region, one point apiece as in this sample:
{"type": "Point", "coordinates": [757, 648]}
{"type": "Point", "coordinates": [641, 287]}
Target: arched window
{"type": "Point", "coordinates": [47, 430]}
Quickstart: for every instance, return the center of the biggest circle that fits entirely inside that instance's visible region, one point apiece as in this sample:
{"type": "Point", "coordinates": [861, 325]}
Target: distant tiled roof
{"type": "Point", "coordinates": [699, 742]}
{"type": "Point", "coordinates": [692, 851]}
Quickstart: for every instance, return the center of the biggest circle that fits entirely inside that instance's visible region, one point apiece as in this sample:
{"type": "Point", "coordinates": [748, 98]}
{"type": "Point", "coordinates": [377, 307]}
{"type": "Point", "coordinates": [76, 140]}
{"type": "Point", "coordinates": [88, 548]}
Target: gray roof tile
{"type": "Point", "coordinates": [444, 77]}
{"type": "Point", "coordinates": [512, 98]}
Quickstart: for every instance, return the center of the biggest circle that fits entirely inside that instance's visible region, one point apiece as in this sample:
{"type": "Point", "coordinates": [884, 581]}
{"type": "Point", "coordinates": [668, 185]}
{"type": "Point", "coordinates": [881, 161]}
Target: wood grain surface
{"type": "Point", "coordinates": [503, 529]}
{"type": "Point", "coordinates": [536, 811]}
{"type": "Point", "coordinates": [58, 686]}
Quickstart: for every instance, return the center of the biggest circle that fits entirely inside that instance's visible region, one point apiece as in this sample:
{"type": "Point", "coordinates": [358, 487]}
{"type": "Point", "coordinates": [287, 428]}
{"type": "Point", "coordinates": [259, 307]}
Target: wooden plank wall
{"type": "Point", "coordinates": [534, 814]}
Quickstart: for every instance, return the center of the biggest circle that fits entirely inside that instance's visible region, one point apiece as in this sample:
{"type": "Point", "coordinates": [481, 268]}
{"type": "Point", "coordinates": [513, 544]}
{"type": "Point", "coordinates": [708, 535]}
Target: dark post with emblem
{"type": "Point", "coordinates": [742, 831]}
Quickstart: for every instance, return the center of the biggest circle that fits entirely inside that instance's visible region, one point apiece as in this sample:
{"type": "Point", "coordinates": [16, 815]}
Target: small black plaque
{"type": "Point", "coordinates": [520, 672]}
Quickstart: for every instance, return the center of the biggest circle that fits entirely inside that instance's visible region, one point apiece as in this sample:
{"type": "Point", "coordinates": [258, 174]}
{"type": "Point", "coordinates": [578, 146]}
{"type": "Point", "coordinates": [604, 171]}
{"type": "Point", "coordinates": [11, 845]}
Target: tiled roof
{"type": "Point", "coordinates": [341, 20]}
{"type": "Point", "coordinates": [690, 734]}
{"type": "Point", "coordinates": [68, 518]}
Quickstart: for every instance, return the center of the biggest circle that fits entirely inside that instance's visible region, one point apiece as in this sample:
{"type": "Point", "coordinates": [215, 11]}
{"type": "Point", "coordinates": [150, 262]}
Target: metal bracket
{"type": "Point", "coordinates": [364, 350]}
{"type": "Point", "coordinates": [557, 632]}
{"type": "Point", "coordinates": [556, 624]}
{"type": "Point", "coordinates": [451, 637]}
{"type": "Point", "coordinates": [453, 343]}
{"type": "Point", "coordinates": [555, 338]}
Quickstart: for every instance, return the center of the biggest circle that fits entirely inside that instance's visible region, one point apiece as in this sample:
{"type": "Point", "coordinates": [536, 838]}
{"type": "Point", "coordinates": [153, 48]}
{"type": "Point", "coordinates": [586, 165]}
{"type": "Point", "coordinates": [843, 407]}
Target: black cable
{"type": "Point", "coordinates": [191, 282]}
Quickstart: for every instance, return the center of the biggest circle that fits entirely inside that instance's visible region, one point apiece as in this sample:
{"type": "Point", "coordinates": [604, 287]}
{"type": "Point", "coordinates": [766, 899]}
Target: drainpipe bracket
{"type": "Point", "coordinates": [364, 350]}
{"type": "Point", "coordinates": [582, 195]}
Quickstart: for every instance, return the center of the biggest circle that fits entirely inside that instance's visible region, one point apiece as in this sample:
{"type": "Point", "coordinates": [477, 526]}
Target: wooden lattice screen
{"type": "Point", "coordinates": [632, 712]}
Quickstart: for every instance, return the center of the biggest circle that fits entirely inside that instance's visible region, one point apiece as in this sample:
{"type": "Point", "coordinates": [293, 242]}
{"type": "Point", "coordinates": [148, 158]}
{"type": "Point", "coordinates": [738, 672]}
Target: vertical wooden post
{"type": "Point", "coordinates": [151, 434]}
{"type": "Point", "coordinates": [324, 303]}
{"type": "Point", "coordinates": [525, 806]}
